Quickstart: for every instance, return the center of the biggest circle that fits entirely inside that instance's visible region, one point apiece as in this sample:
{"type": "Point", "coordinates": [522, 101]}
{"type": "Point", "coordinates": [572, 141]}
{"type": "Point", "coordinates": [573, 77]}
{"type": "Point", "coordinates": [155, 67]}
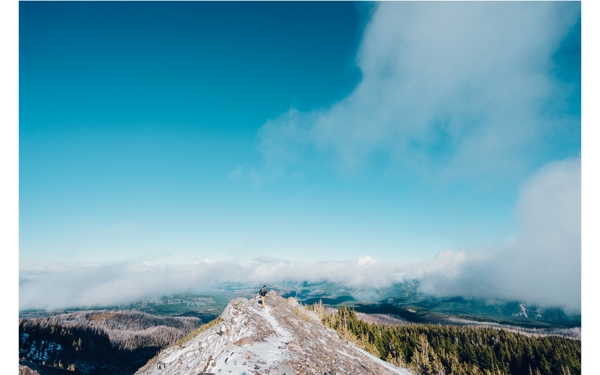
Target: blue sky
{"type": "Point", "coordinates": [173, 133]}
{"type": "Point", "coordinates": [141, 119]}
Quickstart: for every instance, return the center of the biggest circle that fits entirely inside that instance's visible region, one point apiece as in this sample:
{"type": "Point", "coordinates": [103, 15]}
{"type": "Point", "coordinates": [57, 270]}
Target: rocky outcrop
{"type": "Point", "coordinates": [24, 370]}
{"type": "Point", "coordinates": [32, 368]}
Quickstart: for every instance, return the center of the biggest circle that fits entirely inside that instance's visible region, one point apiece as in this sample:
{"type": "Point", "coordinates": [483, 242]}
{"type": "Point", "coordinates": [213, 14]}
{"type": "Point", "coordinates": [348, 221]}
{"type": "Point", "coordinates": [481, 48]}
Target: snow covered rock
{"type": "Point", "coordinates": [281, 338]}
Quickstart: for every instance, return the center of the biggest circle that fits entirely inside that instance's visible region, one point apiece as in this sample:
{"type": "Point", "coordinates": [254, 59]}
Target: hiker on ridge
{"type": "Point", "coordinates": [263, 293]}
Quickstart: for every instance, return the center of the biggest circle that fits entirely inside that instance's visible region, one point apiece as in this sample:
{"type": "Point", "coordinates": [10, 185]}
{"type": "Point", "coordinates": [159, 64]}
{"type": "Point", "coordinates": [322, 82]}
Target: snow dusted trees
{"type": "Point", "coordinates": [93, 339]}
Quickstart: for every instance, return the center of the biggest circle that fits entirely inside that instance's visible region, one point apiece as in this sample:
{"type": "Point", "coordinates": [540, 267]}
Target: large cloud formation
{"type": "Point", "coordinates": [541, 265]}
{"type": "Point", "coordinates": [453, 88]}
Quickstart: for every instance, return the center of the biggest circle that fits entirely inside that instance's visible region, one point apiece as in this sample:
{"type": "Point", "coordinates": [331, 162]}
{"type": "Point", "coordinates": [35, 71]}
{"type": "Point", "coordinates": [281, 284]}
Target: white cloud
{"type": "Point", "coordinates": [55, 286]}
{"type": "Point", "coordinates": [365, 260]}
{"type": "Point", "coordinates": [451, 87]}
{"type": "Point", "coordinates": [542, 265]}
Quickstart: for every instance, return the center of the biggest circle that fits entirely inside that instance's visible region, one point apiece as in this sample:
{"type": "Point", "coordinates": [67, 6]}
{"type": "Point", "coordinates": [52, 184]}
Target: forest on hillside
{"type": "Point", "coordinates": [457, 350]}
{"type": "Point", "coordinates": [99, 342]}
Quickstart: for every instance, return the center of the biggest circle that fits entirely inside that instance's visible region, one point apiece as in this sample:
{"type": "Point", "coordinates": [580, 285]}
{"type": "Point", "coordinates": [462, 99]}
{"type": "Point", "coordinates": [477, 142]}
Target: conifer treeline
{"type": "Point", "coordinates": [459, 350]}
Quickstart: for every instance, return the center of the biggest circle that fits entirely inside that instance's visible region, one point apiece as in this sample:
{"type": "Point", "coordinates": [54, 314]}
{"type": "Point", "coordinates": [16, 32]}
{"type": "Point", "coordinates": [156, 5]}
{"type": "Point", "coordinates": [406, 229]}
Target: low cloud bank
{"type": "Point", "coordinates": [542, 265]}
{"type": "Point", "coordinates": [57, 286]}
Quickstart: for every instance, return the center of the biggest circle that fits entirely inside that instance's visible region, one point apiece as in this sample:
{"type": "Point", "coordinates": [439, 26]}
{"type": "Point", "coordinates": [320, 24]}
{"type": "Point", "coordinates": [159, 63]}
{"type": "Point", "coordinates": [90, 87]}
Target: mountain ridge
{"type": "Point", "coordinates": [280, 338]}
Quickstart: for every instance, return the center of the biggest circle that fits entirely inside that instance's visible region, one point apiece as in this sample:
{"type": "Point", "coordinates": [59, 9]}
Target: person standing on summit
{"type": "Point", "coordinates": [263, 293]}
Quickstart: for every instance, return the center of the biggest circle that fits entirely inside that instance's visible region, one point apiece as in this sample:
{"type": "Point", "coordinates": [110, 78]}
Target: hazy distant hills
{"type": "Point", "coordinates": [202, 306]}
{"type": "Point", "coordinates": [401, 299]}
{"type": "Point", "coordinates": [405, 300]}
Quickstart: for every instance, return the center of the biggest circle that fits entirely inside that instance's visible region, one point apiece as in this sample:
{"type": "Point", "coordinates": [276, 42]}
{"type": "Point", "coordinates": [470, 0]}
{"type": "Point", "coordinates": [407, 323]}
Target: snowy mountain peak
{"type": "Point", "coordinates": [280, 338]}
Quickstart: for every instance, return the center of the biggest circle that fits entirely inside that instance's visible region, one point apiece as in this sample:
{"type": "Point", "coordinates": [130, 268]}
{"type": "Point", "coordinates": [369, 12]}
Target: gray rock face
{"type": "Point", "coordinates": [24, 370]}
{"type": "Point", "coordinates": [292, 302]}
{"type": "Point", "coordinates": [225, 314]}
{"type": "Point", "coordinates": [237, 301]}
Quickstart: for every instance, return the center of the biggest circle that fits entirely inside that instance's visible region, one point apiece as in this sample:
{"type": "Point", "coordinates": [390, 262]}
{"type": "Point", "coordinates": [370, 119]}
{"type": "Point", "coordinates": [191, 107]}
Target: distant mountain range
{"type": "Point", "coordinates": [402, 299]}
{"type": "Point", "coordinates": [405, 300]}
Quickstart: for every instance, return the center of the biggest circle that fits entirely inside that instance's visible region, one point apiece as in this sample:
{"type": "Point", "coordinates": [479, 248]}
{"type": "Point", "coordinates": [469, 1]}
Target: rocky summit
{"type": "Point", "coordinates": [281, 338]}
